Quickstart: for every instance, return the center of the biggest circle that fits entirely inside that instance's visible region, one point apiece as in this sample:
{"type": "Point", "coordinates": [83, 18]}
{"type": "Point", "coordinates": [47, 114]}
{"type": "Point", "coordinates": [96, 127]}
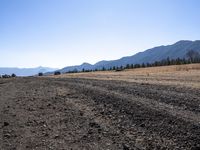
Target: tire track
{"type": "Point", "coordinates": [188, 99]}
{"type": "Point", "coordinates": [160, 118]}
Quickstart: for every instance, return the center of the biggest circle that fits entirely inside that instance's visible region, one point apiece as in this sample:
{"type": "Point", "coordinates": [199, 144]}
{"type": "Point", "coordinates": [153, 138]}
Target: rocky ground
{"type": "Point", "coordinates": [74, 113]}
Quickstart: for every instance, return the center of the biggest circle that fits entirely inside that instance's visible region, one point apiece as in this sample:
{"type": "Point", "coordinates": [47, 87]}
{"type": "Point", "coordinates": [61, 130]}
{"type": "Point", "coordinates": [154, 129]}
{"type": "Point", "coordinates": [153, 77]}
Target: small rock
{"type": "Point", "coordinates": [94, 124]}
{"type": "Point", "coordinates": [142, 125]}
{"type": "Point", "coordinates": [5, 124]}
{"type": "Point", "coordinates": [81, 113]}
{"type": "Point", "coordinates": [7, 135]}
{"type": "Point", "coordinates": [90, 131]}
{"type": "Point", "coordinates": [125, 147]}
{"type": "Point", "coordinates": [56, 136]}
{"type": "Point", "coordinates": [108, 144]}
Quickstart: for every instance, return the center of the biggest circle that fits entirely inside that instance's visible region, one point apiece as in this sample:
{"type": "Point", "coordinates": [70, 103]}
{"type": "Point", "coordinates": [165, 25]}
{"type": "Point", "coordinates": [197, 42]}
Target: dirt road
{"type": "Point", "coordinates": [78, 114]}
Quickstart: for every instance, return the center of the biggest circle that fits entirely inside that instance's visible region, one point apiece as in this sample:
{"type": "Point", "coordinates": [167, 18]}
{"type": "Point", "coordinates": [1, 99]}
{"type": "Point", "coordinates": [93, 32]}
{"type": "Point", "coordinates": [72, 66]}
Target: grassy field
{"type": "Point", "coordinates": [180, 75]}
{"type": "Point", "coordinates": [151, 108]}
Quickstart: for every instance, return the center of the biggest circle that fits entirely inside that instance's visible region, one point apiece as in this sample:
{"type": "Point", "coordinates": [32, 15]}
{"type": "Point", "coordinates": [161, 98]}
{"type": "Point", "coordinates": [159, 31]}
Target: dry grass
{"type": "Point", "coordinates": [180, 75]}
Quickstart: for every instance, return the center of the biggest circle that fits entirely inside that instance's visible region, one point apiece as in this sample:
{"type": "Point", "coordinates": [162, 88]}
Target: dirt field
{"type": "Point", "coordinates": [153, 108]}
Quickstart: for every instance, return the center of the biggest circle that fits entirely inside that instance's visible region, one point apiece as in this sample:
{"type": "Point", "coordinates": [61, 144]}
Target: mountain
{"type": "Point", "coordinates": [85, 66]}
{"type": "Point", "coordinates": [177, 50]}
{"type": "Point", "coordinates": [25, 71]}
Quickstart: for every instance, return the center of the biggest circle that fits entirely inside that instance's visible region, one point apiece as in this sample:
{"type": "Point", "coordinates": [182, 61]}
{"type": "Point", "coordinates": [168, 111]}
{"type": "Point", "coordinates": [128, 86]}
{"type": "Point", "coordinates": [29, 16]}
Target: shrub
{"type": "Point", "coordinates": [6, 76]}
{"type": "Point", "coordinates": [57, 73]}
{"type": "Point", "coordinates": [40, 74]}
{"type": "Point", "coordinates": [13, 75]}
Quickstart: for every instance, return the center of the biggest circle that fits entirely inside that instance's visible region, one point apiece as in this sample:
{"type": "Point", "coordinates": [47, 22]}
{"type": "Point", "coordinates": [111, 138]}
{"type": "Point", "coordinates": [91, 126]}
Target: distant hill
{"type": "Point", "coordinates": [25, 71]}
{"type": "Point", "coordinates": [85, 66]}
{"type": "Point", "coordinates": [177, 50]}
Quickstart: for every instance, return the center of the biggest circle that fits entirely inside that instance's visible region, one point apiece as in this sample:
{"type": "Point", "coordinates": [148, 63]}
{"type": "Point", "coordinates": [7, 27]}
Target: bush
{"type": "Point", "coordinates": [6, 76]}
{"type": "Point", "coordinates": [57, 73]}
{"type": "Point", "coordinates": [40, 74]}
{"type": "Point", "coordinates": [13, 75]}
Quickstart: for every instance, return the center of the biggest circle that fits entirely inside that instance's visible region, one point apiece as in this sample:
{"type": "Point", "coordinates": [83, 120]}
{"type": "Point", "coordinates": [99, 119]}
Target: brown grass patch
{"type": "Point", "coordinates": [182, 75]}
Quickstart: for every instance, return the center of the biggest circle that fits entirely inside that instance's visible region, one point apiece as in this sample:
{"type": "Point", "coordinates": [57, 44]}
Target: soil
{"type": "Point", "coordinates": [77, 114]}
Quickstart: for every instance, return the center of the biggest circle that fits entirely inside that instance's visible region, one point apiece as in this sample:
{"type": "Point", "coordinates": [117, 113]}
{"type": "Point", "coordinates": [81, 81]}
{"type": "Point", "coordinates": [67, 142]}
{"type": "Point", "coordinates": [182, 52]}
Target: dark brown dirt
{"type": "Point", "coordinates": [62, 114]}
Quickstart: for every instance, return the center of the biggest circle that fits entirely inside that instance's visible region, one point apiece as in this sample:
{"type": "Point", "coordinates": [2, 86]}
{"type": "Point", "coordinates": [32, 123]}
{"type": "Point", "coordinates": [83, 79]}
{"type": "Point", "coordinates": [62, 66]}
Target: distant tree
{"type": "Point", "coordinates": [40, 74]}
{"type": "Point", "coordinates": [83, 70]}
{"type": "Point", "coordinates": [143, 65]}
{"type": "Point", "coordinates": [57, 73]}
{"type": "Point", "coordinates": [121, 68]}
{"type": "Point", "coordinates": [137, 66]}
{"type": "Point", "coordinates": [168, 61]}
{"type": "Point", "coordinates": [148, 65]}
{"type": "Point", "coordinates": [127, 66]}
{"type": "Point", "coordinates": [132, 66]}
{"type": "Point", "coordinates": [185, 61]}
{"type": "Point", "coordinates": [157, 63]}
{"type": "Point", "coordinates": [13, 75]}
{"type": "Point", "coordinates": [117, 68]}
{"type": "Point", "coordinates": [114, 68]}
{"type": "Point", "coordinates": [173, 62]}
{"type": "Point", "coordinates": [192, 55]}
{"type": "Point", "coordinates": [178, 61]}
{"type": "Point", "coordinates": [103, 69]}
{"type": "Point", "coordinates": [163, 62]}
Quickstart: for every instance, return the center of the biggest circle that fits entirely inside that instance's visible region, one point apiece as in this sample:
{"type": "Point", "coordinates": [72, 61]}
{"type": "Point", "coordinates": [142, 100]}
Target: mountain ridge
{"type": "Point", "coordinates": [25, 71]}
{"type": "Point", "coordinates": [158, 53]}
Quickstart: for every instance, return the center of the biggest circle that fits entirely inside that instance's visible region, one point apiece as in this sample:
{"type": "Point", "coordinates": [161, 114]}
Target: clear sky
{"type": "Point", "coordinates": [59, 33]}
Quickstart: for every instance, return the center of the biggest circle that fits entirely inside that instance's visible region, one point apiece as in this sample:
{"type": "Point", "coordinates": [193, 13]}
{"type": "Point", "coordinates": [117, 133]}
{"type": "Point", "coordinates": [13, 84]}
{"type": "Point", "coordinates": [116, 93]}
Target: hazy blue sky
{"type": "Point", "coordinates": [59, 33]}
